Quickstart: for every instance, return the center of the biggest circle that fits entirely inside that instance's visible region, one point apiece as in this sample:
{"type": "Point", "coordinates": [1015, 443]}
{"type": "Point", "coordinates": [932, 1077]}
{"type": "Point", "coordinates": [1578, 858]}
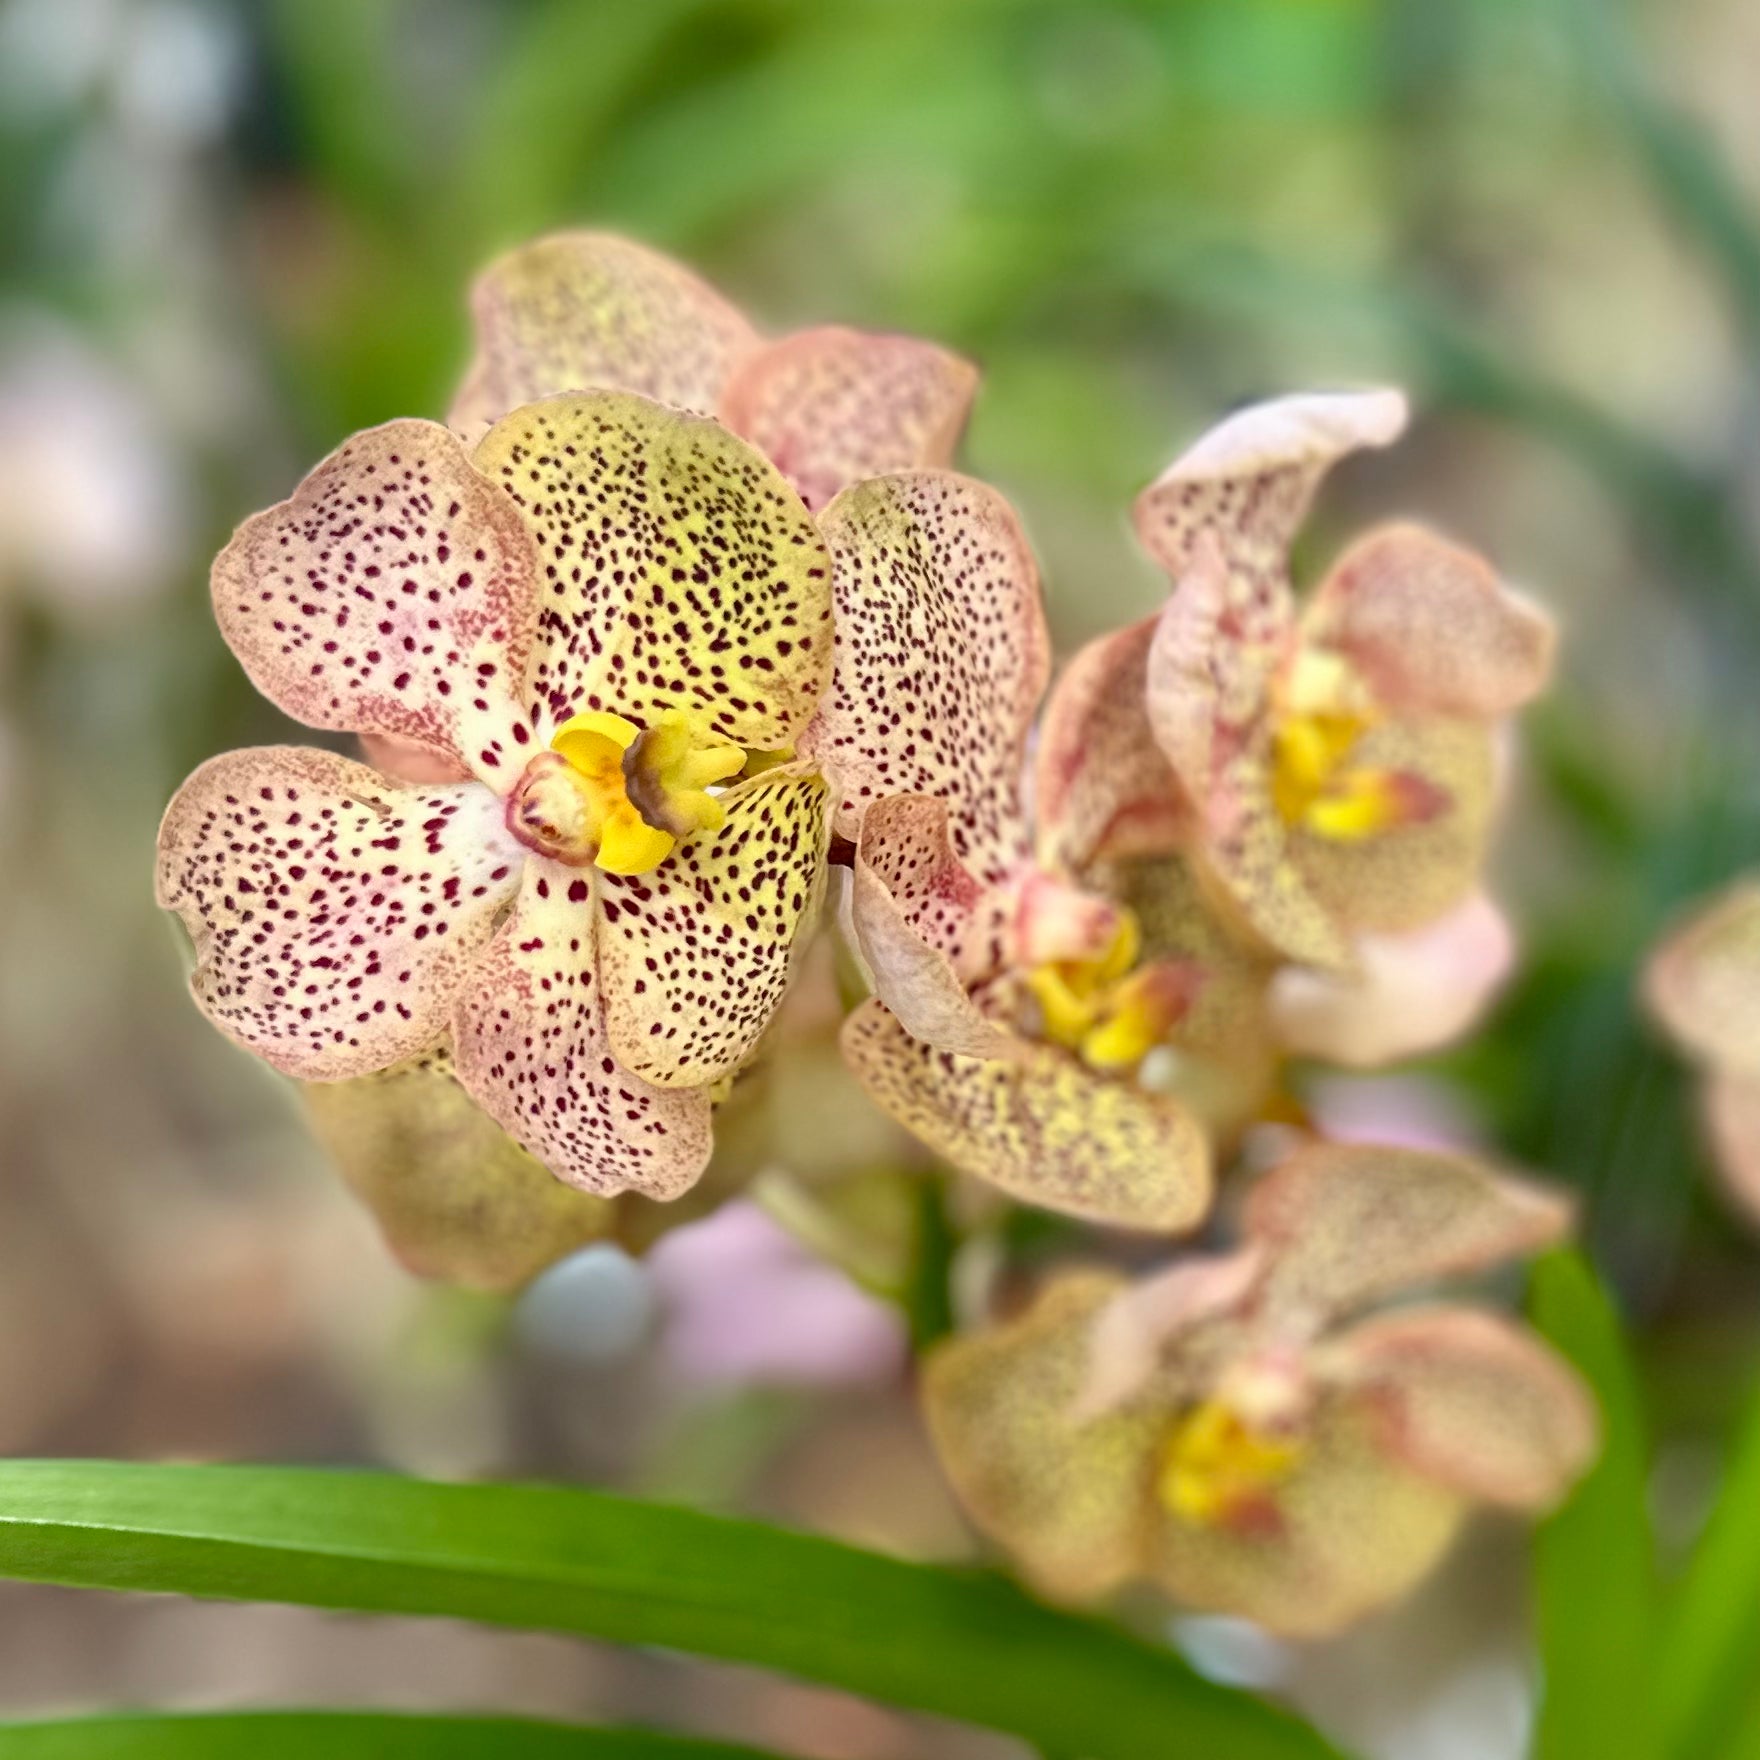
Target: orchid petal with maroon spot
{"type": "Point", "coordinates": [393, 593]}
{"type": "Point", "coordinates": [334, 914]}
{"type": "Point", "coordinates": [1102, 788]}
{"type": "Point", "coordinates": [530, 1047]}
{"type": "Point", "coordinates": [695, 955]}
{"type": "Point", "coordinates": [833, 406]}
{"type": "Point", "coordinates": [1072, 1501]}
{"type": "Point", "coordinates": [1703, 982]}
{"type": "Point", "coordinates": [1039, 1125]}
{"type": "Point", "coordinates": [456, 1198]}
{"type": "Point", "coordinates": [1430, 626]}
{"type": "Point", "coordinates": [582, 310]}
{"type": "Point", "coordinates": [1409, 995]}
{"type": "Point", "coordinates": [678, 569]}
{"type": "Point", "coordinates": [942, 656]}
{"type": "Point", "coordinates": [1471, 1402]}
{"type": "Point", "coordinates": [1346, 1224]}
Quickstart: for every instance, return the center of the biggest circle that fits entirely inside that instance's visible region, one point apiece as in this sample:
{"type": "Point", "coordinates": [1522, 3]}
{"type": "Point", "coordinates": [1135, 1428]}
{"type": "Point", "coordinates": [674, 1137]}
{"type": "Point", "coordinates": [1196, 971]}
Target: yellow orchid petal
{"type": "Point", "coordinates": [695, 956]}
{"type": "Point", "coordinates": [394, 570]}
{"type": "Point", "coordinates": [942, 655]}
{"type": "Point", "coordinates": [1039, 1126]}
{"type": "Point", "coordinates": [456, 1197]}
{"type": "Point", "coordinates": [1071, 1501]}
{"type": "Point", "coordinates": [334, 913]}
{"type": "Point", "coordinates": [834, 406]}
{"type": "Point", "coordinates": [529, 1046]}
{"type": "Point", "coordinates": [579, 310]}
{"type": "Point", "coordinates": [681, 572]}
{"type": "Point", "coordinates": [594, 741]}
{"type": "Point", "coordinates": [628, 844]}
{"type": "Point", "coordinates": [1346, 1530]}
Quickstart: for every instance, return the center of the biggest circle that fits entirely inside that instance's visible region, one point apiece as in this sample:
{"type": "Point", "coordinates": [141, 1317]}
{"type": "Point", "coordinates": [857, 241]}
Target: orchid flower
{"type": "Point", "coordinates": [1014, 1009]}
{"type": "Point", "coordinates": [1332, 772]}
{"type": "Point", "coordinates": [829, 406]}
{"type": "Point", "coordinates": [1703, 984]}
{"type": "Point", "coordinates": [1246, 1430]}
{"type": "Point", "coordinates": [612, 620]}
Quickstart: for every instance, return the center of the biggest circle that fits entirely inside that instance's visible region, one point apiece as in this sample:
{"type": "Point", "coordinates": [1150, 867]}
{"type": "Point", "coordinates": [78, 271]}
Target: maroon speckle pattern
{"type": "Point", "coordinates": [530, 1046]}
{"type": "Point", "coordinates": [391, 594]}
{"type": "Point", "coordinates": [677, 569]}
{"type": "Point", "coordinates": [941, 658]}
{"type": "Point", "coordinates": [333, 913]}
{"type": "Point", "coordinates": [695, 955]}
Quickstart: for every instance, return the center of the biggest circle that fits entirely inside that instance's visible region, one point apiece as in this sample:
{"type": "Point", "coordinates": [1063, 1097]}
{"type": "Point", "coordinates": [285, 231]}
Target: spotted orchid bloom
{"type": "Point", "coordinates": [1256, 1432]}
{"type": "Point", "coordinates": [829, 406]}
{"type": "Point", "coordinates": [1013, 1009]}
{"type": "Point", "coordinates": [1338, 763]}
{"type": "Point", "coordinates": [1703, 985]}
{"type": "Point", "coordinates": [612, 621]}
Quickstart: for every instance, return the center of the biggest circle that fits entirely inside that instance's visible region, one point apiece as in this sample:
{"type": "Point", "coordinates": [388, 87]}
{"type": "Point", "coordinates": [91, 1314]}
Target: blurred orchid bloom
{"type": "Point", "coordinates": [829, 406]}
{"type": "Point", "coordinates": [1014, 1008]}
{"type": "Point", "coordinates": [1333, 771]}
{"type": "Point", "coordinates": [614, 619]}
{"type": "Point", "coordinates": [1243, 1430]}
{"type": "Point", "coordinates": [1703, 985]}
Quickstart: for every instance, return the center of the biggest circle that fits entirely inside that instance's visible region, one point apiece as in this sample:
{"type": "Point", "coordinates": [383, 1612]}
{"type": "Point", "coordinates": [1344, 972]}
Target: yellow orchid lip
{"type": "Point", "coordinates": [1221, 1470]}
{"type": "Point", "coordinates": [619, 797]}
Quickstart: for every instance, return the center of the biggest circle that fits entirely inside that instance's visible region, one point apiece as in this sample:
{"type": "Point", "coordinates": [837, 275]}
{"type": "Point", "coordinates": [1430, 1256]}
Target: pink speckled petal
{"type": "Point", "coordinates": [1344, 1224]}
{"type": "Point", "coordinates": [679, 570]}
{"type": "Point", "coordinates": [405, 761]}
{"type": "Point", "coordinates": [1471, 1401]}
{"type": "Point", "coordinates": [696, 955]}
{"type": "Point", "coordinates": [832, 406]}
{"type": "Point", "coordinates": [942, 657]}
{"type": "Point", "coordinates": [529, 1046]}
{"type": "Point", "coordinates": [1430, 626]}
{"type": "Point", "coordinates": [1409, 995]}
{"type": "Point", "coordinates": [906, 848]}
{"type": "Point", "coordinates": [1212, 665]}
{"type": "Point", "coordinates": [1247, 484]}
{"type": "Point", "coordinates": [392, 593]}
{"type": "Point", "coordinates": [334, 914]}
{"type": "Point", "coordinates": [1703, 982]}
{"type": "Point", "coordinates": [1039, 1125]}
{"type": "Point", "coordinates": [580, 310]}
{"type": "Point", "coordinates": [1102, 788]}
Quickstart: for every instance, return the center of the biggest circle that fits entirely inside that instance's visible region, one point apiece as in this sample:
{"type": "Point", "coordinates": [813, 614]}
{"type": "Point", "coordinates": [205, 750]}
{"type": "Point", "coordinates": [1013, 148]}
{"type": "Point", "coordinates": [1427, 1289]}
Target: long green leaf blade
{"type": "Point", "coordinates": [1595, 1566]}
{"type": "Point", "coordinates": [961, 1644]}
{"type": "Point", "coordinates": [342, 1735]}
{"type": "Point", "coordinates": [1711, 1641]}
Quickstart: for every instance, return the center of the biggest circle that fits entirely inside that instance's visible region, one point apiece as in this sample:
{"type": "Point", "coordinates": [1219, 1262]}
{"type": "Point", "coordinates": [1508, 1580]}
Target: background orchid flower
{"type": "Point", "coordinates": [1703, 985]}
{"type": "Point", "coordinates": [1339, 763]}
{"type": "Point", "coordinates": [1240, 1429]}
{"type": "Point", "coordinates": [1012, 1009]}
{"type": "Point", "coordinates": [597, 615]}
{"type": "Point", "coordinates": [590, 309]}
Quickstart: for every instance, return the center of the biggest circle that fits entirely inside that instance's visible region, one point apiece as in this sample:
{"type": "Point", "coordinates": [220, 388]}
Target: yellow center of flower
{"type": "Point", "coordinates": [1221, 1471]}
{"type": "Point", "coordinates": [1323, 712]}
{"type": "Point", "coordinates": [1108, 1014]}
{"type": "Point", "coordinates": [618, 796]}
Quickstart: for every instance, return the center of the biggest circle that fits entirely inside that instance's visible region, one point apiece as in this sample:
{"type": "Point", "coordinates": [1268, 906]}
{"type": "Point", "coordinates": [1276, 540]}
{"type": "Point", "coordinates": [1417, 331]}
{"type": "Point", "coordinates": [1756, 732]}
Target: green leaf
{"type": "Point", "coordinates": [961, 1644]}
{"type": "Point", "coordinates": [343, 1735]}
{"type": "Point", "coordinates": [1595, 1565]}
{"type": "Point", "coordinates": [1712, 1634]}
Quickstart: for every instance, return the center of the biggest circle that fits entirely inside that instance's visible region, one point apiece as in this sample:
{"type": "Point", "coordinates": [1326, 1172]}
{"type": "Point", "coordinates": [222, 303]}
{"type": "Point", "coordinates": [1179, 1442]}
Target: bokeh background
{"type": "Point", "coordinates": [231, 234]}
